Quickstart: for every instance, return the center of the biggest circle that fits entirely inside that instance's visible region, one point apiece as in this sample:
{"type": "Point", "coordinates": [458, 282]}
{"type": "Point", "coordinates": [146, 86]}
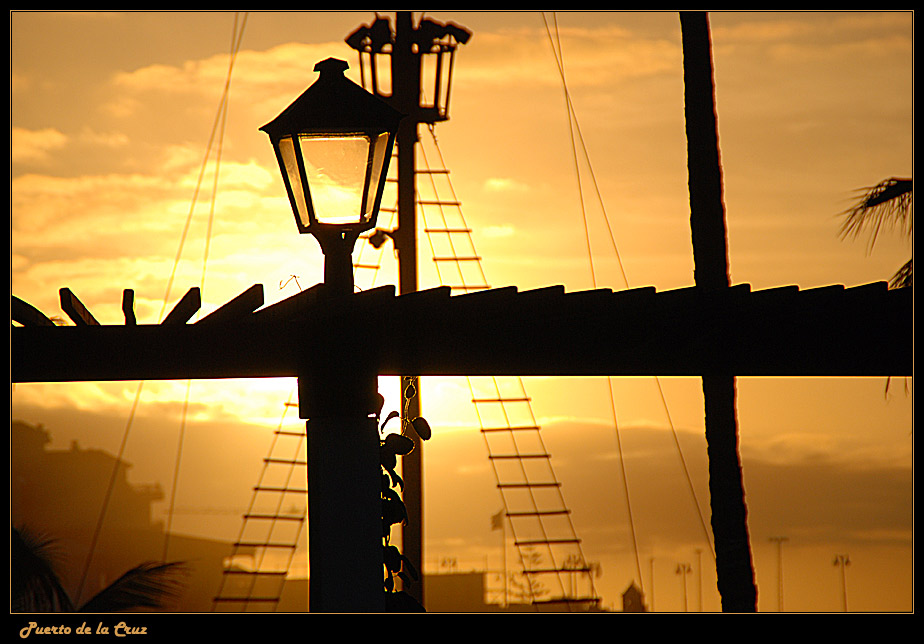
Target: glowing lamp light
{"type": "Point", "coordinates": [333, 145]}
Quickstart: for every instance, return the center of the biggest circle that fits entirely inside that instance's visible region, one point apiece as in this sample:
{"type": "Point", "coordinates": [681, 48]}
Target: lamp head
{"type": "Point", "coordinates": [333, 144]}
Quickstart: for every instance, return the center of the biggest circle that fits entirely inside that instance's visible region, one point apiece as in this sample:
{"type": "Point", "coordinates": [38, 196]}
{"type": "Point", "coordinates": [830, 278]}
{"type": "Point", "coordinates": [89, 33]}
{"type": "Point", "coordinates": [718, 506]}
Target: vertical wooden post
{"type": "Point", "coordinates": [344, 483]}
{"type": "Point", "coordinates": [734, 567]}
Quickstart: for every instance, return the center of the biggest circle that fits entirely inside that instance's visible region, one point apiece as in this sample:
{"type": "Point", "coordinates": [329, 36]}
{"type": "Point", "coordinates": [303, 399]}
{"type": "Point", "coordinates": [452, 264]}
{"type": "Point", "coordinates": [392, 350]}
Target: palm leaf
{"type": "Point", "coordinates": [904, 277]}
{"type": "Point", "coordinates": [888, 203]}
{"type": "Point", "coordinates": [36, 587]}
{"type": "Point", "coordinates": [34, 584]}
{"type": "Point", "coordinates": [147, 585]}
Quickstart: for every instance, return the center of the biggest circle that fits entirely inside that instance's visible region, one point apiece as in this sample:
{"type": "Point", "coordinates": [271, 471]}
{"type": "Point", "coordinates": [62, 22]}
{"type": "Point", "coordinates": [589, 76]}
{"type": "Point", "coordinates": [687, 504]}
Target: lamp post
{"type": "Point", "coordinates": [699, 578]}
{"type": "Point", "coordinates": [333, 144]}
{"type": "Point", "coordinates": [779, 541]}
{"type": "Point", "coordinates": [842, 561]}
{"type": "Point", "coordinates": [683, 569]}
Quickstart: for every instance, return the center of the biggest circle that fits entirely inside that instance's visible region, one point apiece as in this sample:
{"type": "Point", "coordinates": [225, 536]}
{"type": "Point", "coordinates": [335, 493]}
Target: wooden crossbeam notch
{"type": "Point", "coordinates": [244, 304]}
{"type": "Point", "coordinates": [26, 314]}
{"type": "Point", "coordinates": [128, 307]}
{"type": "Point", "coordinates": [75, 309]}
{"type": "Point", "coordinates": [185, 308]}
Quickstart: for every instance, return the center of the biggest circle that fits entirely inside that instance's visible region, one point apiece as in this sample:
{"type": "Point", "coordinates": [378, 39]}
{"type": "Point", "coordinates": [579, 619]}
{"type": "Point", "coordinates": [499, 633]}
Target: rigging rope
{"type": "Point", "coordinates": [219, 121]}
{"type": "Point", "coordinates": [222, 115]}
{"type": "Point", "coordinates": [574, 128]}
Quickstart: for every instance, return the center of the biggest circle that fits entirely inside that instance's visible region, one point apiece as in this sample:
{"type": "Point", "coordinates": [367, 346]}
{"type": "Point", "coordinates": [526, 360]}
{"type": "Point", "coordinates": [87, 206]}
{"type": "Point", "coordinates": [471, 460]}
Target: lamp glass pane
{"type": "Point", "coordinates": [336, 170]}
{"type": "Point", "coordinates": [377, 161]}
{"type": "Point", "coordinates": [290, 166]}
{"type": "Point", "coordinates": [429, 64]}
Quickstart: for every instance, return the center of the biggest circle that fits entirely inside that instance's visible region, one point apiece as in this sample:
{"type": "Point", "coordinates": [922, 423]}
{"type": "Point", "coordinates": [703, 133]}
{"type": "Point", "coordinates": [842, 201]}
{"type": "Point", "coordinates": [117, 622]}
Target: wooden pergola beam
{"type": "Point", "coordinates": [830, 331]}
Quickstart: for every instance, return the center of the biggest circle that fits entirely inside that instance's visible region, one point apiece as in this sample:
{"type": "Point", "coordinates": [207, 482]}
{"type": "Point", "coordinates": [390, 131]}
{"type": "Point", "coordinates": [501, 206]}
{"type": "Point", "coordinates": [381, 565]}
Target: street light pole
{"type": "Point", "coordinates": [699, 578]}
{"type": "Point", "coordinates": [779, 570]}
{"type": "Point", "coordinates": [843, 561]}
{"type": "Point", "coordinates": [683, 569]}
{"type": "Point", "coordinates": [333, 144]}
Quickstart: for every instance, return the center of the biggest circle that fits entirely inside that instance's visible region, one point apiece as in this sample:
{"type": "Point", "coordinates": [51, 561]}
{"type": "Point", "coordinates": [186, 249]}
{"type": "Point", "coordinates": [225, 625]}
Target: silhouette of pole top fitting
{"type": "Point", "coordinates": [430, 45]}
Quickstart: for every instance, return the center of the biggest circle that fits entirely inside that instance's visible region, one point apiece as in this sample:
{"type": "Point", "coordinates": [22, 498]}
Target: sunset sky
{"type": "Point", "coordinates": [111, 117]}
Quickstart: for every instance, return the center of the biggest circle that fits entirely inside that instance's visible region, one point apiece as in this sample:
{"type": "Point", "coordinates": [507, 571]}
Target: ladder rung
{"type": "Point", "coordinates": [279, 489]}
{"type": "Point", "coordinates": [518, 428]}
{"type": "Point", "coordinates": [437, 202]}
{"type": "Point", "coordinates": [448, 230]}
{"type": "Point", "coordinates": [547, 571]}
{"type": "Point", "coordinates": [283, 432]}
{"type": "Point", "coordinates": [274, 517]}
{"type": "Point", "coordinates": [374, 267]}
{"type": "Point", "coordinates": [568, 600]}
{"type": "Point", "coordinates": [524, 485]}
{"type": "Point", "coordinates": [285, 461]}
{"type": "Point", "coordinates": [479, 401]}
{"type": "Point", "coordinates": [262, 573]}
{"type": "Point", "coordinates": [432, 171]}
{"type": "Point", "coordinates": [537, 513]}
{"type": "Point", "coordinates": [257, 544]}
{"type": "Point", "coordinates": [472, 258]}
{"type": "Point", "coordinates": [540, 542]}
{"type": "Point", "coordinates": [516, 456]}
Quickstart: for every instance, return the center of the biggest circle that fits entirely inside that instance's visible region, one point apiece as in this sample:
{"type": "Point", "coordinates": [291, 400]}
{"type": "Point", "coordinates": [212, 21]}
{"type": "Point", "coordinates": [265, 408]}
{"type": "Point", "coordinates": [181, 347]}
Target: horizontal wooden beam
{"type": "Point", "coordinates": [830, 331]}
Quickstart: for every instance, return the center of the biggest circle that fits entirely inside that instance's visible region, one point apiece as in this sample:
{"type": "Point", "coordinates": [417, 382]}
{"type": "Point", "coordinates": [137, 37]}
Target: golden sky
{"type": "Point", "coordinates": [111, 115]}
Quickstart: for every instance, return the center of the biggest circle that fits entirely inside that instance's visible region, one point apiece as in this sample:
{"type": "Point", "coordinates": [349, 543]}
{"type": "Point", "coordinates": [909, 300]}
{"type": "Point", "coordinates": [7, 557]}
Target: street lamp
{"type": "Point", "coordinates": [333, 144]}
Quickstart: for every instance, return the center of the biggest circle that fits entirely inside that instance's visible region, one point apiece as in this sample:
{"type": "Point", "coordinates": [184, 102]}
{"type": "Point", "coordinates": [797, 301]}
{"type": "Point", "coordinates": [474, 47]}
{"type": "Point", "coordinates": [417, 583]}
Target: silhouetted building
{"type": "Point", "coordinates": [633, 601]}
{"type": "Point", "coordinates": [465, 592]}
{"type": "Point", "coordinates": [458, 592]}
{"type": "Point", "coordinates": [58, 494]}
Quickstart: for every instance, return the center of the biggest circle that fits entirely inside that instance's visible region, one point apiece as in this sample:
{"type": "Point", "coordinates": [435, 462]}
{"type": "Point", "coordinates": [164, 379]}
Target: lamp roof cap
{"type": "Point", "coordinates": [333, 104]}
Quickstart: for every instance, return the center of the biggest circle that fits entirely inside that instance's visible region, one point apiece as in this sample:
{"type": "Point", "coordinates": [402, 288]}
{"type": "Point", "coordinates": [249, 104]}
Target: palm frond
{"type": "Point", "coordinates": [904, 277]}
{"type": "Point", "coordinates": [34, 583]}
{"type": "Point", "coordinates": [147, 585]}
{"type": "Point", "coordinates": [888, 203]}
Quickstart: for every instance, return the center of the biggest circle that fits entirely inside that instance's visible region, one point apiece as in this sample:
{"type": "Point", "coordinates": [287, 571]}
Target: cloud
{"type": "Point", "coordinates": [274, 75]}
{"type": "Point", "coordinates": [504, 184]}
{"type": "Point", "coordinates": [593, 57]}
{"type": "Point", "coordinates": [815, 492]}
{"type": "Point", "coordinates": [31, 146]}
{"type": "Point", "coordinates": [810, 29]}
